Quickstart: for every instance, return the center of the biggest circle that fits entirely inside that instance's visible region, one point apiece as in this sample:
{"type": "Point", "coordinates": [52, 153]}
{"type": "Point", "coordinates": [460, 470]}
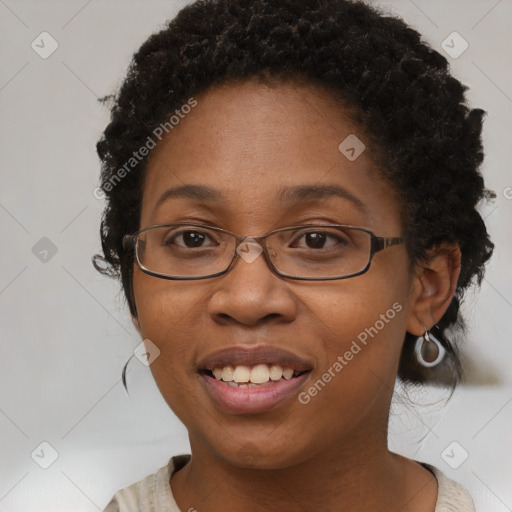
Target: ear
{"type": "Point", "coordinates": [433, 287]}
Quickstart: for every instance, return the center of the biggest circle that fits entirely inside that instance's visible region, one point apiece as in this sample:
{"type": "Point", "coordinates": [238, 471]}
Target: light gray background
{"type": "Point", "coordinates": [65, 330]}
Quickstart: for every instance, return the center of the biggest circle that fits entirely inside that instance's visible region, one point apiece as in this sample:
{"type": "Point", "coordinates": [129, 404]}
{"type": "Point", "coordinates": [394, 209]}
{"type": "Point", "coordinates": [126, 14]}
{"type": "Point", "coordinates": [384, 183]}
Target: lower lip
{"type": "Point", "coordinates": [253, 400]}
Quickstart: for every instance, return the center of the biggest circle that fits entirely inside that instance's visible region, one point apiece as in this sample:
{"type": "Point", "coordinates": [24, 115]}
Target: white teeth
{"type": "Point", "coordinates": [276, 372]}
{"type": "Point", "coordinates": [260, 374]}
{"type": "Point", "coordinates": [245, 376]}
{"type": "Point", "coordinates": [287, 373]}
{"type": "Point", "coordinates": [227, 373]}
{"type": "Point", "coordinates": [242, 374]}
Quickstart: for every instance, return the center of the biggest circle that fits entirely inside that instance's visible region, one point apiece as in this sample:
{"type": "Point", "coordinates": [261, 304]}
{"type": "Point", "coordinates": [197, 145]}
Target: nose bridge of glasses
{"type": "Point", "coordinates": [250, 247]}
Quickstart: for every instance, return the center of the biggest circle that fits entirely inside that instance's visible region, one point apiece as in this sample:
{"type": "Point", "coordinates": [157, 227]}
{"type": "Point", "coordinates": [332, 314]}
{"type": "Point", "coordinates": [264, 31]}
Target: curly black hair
{"type": "Point", "coordinates": [424, 136]}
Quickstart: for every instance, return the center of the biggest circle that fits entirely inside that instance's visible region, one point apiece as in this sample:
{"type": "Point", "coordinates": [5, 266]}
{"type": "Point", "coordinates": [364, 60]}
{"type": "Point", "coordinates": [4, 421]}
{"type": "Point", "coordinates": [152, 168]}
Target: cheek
{"type": "Point", "coordinates": [168, 315]}
{"type": "Point", "coordinates": [362, 329]}
{"type": "Point", "coordinates": [164, 307]}
{"type": "Point", "coordinates": [369, 302]}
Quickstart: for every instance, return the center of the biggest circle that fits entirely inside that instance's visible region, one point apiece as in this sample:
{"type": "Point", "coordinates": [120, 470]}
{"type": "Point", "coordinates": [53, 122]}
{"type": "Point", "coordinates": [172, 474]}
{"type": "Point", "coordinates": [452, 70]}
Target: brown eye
{"type": "Point", "coordinates": [188, 239]}
{"type": "Point", "coordinates": [318, 240]}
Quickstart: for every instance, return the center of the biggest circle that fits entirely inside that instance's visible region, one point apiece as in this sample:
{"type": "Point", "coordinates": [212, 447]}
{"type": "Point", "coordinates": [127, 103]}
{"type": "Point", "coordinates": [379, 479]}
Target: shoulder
{"type": "Point", "coordinates": [151, 494]}
{"type": "Point", "coordinates": [451, 496]}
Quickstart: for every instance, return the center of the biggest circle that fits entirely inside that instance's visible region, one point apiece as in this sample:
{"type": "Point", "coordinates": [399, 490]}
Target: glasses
{"type": "Point", "coordinates": [307, 252]}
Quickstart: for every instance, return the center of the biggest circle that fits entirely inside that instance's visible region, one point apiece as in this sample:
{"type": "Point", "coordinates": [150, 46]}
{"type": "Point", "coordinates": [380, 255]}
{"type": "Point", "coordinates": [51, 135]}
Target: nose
{"type": "Point", "coordinates": [250, 293]}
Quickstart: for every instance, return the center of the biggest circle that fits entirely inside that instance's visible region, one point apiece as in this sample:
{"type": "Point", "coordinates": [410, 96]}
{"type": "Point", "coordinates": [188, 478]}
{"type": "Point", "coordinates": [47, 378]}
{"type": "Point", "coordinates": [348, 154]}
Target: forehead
{"type": "Point", "coordinates": [253, 143]}
{"type": "Point", "coordinates": [254, 125]}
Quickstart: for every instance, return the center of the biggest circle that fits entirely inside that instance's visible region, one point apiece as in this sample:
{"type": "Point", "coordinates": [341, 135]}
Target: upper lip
{"type": "Point", "coordinates": [244, 355]}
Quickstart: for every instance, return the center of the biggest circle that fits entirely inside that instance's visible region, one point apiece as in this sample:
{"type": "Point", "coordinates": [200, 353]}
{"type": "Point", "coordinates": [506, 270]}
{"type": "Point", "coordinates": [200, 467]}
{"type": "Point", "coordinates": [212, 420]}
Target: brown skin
{"type": "Point", "coordinates": [247, 140]}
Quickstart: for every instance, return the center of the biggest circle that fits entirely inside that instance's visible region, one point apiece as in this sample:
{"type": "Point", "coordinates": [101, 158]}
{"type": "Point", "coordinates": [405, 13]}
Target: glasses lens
{"type": "Point", "coordinates": [317, 252]}
{"type": "Point", "coordinates": [184, 251]}
{"type": "Point", "coordinates": [320, 252]}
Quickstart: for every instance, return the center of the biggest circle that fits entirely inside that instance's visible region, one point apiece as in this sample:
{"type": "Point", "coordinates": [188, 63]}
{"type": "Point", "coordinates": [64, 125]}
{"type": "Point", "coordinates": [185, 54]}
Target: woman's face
{"type": "Point", "coordinates": [249, 142]}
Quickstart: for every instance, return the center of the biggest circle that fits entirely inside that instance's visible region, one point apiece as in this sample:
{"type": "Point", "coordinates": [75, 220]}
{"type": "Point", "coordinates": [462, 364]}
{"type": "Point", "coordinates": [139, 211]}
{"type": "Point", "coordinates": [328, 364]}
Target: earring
{"type": "Point", "coordinates": [429, 350]}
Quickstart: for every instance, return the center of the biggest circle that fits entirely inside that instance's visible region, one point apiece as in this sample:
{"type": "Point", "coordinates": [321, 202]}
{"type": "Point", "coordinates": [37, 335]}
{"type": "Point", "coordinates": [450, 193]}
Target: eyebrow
{"type": "Point", "coordinates": [297, 194]}
{"type": "Point", "coordinates": [198, 192]}
{"type": "Point", "coordinates": [304, 193]}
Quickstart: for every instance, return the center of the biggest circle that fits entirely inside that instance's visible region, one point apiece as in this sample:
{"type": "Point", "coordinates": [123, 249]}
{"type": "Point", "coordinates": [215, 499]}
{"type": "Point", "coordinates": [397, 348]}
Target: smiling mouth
{"type": "Point", "coordinates": [259, 375]}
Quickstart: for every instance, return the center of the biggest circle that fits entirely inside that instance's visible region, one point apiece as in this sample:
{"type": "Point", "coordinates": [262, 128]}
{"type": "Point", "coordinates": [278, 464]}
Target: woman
{"type": "Point", "coordinates": [291, 192]}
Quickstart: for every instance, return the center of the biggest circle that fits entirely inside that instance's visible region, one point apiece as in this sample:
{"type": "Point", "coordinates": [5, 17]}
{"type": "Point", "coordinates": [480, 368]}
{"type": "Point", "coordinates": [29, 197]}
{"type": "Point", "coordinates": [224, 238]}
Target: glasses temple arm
{"type": "Point", "coordinates": [128, 241]}
{"type": "Point", "coordinates": [381, 243]}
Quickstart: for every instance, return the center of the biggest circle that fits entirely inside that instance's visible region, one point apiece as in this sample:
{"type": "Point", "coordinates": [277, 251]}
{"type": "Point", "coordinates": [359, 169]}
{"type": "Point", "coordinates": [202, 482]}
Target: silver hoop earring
{"type": "Point", "coordinates": [429, 350]}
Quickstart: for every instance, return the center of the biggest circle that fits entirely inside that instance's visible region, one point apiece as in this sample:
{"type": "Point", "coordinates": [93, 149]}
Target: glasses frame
{"type": "Point", "coordinates": [377, 244]}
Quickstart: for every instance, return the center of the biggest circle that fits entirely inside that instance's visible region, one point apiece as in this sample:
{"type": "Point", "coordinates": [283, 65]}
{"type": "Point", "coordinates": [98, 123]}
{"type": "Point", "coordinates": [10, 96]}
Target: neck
{"type": "Point", "coordinates": [357, 475]}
